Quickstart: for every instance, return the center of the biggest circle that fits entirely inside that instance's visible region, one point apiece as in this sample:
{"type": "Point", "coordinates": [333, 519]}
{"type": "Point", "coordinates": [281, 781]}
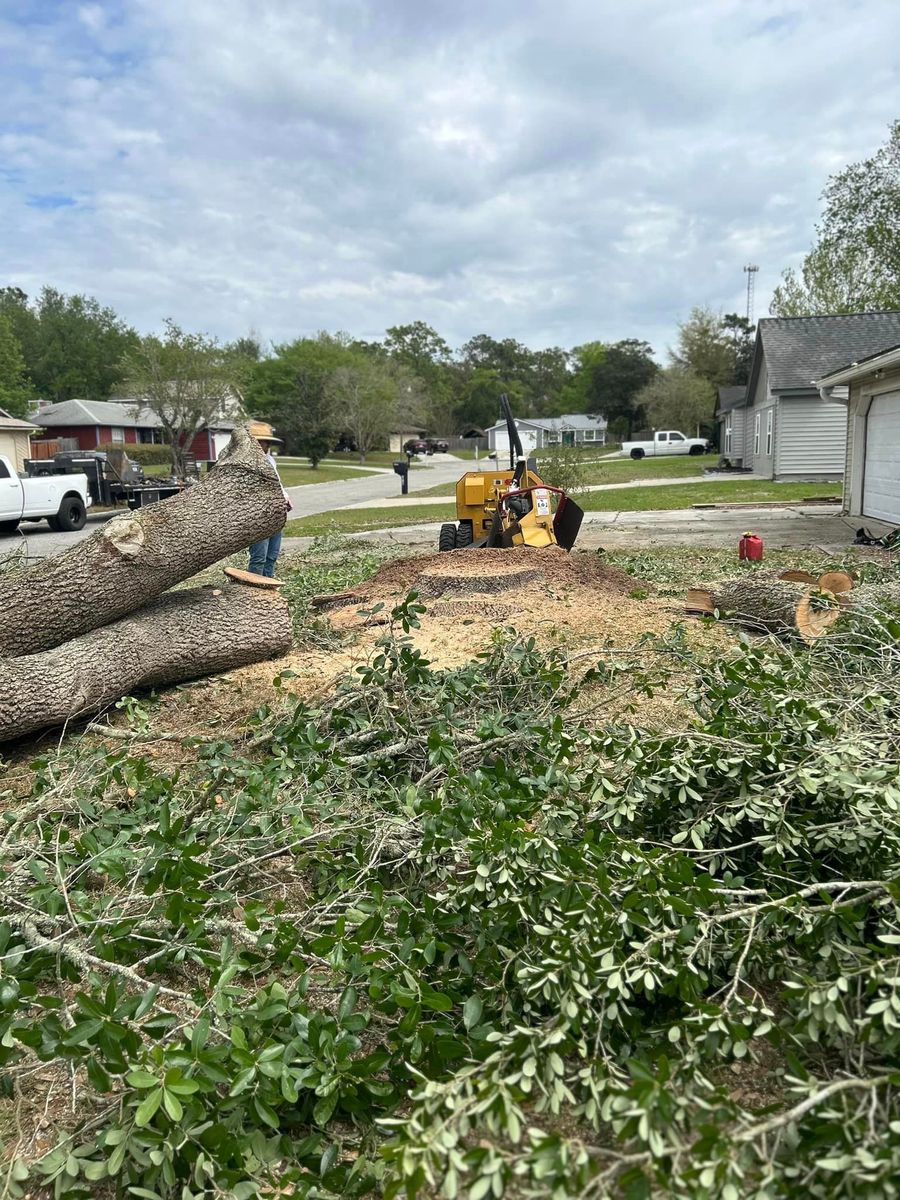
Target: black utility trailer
{"type": "Point", "coordinates": [113, 479]}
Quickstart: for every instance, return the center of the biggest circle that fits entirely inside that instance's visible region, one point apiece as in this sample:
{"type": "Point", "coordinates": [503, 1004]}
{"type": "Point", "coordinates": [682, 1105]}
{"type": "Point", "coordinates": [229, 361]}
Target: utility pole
{"type": "Point", "coordinates": [750, 270]}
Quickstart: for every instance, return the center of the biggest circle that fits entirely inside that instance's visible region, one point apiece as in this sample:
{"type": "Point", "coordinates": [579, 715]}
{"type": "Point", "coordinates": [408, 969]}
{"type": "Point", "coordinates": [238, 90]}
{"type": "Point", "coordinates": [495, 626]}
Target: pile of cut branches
{"type": "Point", "coordinates": [452, 933]}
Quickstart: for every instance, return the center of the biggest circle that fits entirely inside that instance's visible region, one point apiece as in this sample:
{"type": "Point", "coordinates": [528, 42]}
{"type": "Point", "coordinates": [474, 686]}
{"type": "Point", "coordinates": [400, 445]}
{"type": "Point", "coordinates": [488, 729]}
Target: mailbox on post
{"type": "Point", "coordinates": [401, 468]}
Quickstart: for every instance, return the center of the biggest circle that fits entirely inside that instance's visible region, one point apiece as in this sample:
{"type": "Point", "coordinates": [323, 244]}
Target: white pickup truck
{"type": "Point", "coordinates": [665, 441]}
{"type": "Point", "coordinates": [62, 499]}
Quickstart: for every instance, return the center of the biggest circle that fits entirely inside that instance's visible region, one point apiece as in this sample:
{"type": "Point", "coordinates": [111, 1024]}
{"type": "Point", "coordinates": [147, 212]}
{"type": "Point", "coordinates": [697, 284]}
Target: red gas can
{"type": "Point", "coordinates": [751, 548]}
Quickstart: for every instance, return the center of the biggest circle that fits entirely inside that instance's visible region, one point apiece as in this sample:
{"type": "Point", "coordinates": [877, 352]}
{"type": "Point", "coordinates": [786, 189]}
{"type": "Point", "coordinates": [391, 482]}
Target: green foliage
{"type": "Point", "coordinates": [16, 390]}
{"type": "Point", "coordinates": [564, 467]}
{"type": "Point", "coordinates": [290, 390]}
{"type": "Point", "coordinates": [445, 933]}
{"type": "Point", "coordinates": [147, 454]}
{"type": "Point", "coordinates": [373, 398]}
{"type": "Point", "coordinates": [187, 380]}
{"type": "Point", "coordinates": [854, 265]}
{"type": "Point", "coordinates": [678, 398]}
{"type": "Point", "coordinates": [72, 345]}
{"type": "Point", "coordinates": [716, 348]}
{"type": "Point", "coordinates": [616, 380]}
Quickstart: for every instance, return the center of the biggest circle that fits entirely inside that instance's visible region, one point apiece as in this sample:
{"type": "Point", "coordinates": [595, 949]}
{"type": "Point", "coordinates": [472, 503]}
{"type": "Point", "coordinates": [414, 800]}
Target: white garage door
{"type": "Point", "coordinates": [881, 481]}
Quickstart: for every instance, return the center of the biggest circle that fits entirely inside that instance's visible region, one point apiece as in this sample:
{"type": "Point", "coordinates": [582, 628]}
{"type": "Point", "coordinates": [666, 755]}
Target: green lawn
{"type": "Point", "coordinates": [628, 470]}
{"type": "Point", "coordinates": [355, 520]}
{"type": "Point", "coordinates": [628, 500]}
{"type": "Point", "coordinates": [623, 470]}
{"type": "Point", "coordinates": [302, 473]}
{"type": "Point", "coordinates": [684, 495]}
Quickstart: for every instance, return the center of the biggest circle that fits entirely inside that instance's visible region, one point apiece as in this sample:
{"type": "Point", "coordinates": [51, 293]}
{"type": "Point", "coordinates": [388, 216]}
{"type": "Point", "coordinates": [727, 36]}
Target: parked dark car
{"type": "Point", "coordinates": [416, 446]}
{"type": "Point", "coordinates": [346, 443]}
{"type": "Point", "coordinates": [438, 446]}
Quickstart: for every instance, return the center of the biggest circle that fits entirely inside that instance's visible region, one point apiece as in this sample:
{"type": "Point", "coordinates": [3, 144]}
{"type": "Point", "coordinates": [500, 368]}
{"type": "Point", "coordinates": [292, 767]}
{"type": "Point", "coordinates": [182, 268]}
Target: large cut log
{"type": "Point", "coordinates": [137, 556]}
{"type": "Point", "coordinates": [184, 635]}
{"type": "Point", "coordinates": [777, 606]}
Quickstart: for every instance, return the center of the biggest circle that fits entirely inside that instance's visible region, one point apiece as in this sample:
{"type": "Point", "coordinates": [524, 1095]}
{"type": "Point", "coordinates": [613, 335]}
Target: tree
{"type": "Point", "coordinates": [705, 348]}
{"type": "Point", "coordinates": [615, 381]}
{"type": "Point", "coordinates": [16, 390]}
{"type": "Point", "coordinates": [479, 405]}
{"type": "Point", "coordinates": [540, 376]}
{"type": "Point", "coordinates": [423, 352]}
{"type": "Point", "coordinates": [854, 265]}
{"type": "Point", "coordinates": [74, 347]}
{"type": "Point", "coordinates": [187, 379]}
{"type": "Point", "coordinates": [580, 394]}
{"type": "Point", "coordinates": [290, 390]}
{"type": "Point", "coordinates": [678, 398]}
{"type": "Point", "coordinates": [742, 335]}
{"type": "Point", "coordinates": [418, 347]}
{"type": "Point", "coordinates": [372, 398]}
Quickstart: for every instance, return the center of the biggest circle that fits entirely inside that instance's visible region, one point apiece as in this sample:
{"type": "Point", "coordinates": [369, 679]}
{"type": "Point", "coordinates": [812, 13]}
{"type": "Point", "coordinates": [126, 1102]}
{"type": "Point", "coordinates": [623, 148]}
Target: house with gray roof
{"type": "Point", "coordinates": [785, 428]}
{"type": "Point", "coordinates": [123, 422]}
{"type": "Point", "coordinates": [538, 433]}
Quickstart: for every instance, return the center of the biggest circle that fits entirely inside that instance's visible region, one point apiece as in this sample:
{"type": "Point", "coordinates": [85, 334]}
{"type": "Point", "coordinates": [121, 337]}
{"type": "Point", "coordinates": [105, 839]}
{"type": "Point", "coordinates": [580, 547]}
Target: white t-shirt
{"type": "Point", "coordinates": [270, 459]}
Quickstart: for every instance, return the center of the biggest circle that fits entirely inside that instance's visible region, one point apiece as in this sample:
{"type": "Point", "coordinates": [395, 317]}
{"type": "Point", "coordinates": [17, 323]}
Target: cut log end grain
{"type": "Point", "coordinates": [184, 635]}
{"type": "Point", "coordinates": [252, 579]}
{"type": "Point", "coordinates": [836, 582]}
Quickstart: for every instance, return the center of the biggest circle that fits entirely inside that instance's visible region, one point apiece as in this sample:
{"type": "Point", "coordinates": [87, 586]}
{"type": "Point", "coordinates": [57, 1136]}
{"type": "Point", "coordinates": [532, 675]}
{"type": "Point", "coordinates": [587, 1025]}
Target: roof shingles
{"type": "Point", "coordinates": [799, 350]}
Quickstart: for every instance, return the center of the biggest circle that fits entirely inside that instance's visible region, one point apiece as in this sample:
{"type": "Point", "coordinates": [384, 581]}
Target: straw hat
{"type": "Point", "coordinates": [263, 432]}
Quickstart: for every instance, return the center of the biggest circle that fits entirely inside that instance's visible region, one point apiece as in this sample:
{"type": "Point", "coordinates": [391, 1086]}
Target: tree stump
{"type": "Point", "coordinates": [137, 556]}
{"type": "Point", "coordinates": [184, 635]}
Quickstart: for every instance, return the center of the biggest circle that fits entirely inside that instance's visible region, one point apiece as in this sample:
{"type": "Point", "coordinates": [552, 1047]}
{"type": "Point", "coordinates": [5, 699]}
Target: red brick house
{"type": "Point", "coordinates": [94, 423]}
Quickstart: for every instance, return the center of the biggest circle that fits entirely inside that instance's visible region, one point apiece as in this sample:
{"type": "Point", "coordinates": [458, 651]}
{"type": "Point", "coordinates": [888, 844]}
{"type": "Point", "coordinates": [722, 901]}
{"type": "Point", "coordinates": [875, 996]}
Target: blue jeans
{"type": "Point", "coordinates": [264, 555]}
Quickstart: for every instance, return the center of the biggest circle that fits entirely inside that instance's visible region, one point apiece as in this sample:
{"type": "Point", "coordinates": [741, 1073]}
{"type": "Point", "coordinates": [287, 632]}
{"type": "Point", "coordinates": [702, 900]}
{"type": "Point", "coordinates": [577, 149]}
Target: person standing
{"type": "Point", "coordinates": [264, 554]}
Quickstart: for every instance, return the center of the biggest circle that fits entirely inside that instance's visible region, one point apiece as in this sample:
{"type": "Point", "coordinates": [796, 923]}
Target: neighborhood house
{"type": "Point", "coordinates": [14, 435]}
{"type": "Point", "coordinates": [538, 433]}
{"type": "Point", "coordinates": [781, 426]}
{"type": "Point", "coordinates": [872, 478]}
{"type": "Point", "coordinates": [94, 423]}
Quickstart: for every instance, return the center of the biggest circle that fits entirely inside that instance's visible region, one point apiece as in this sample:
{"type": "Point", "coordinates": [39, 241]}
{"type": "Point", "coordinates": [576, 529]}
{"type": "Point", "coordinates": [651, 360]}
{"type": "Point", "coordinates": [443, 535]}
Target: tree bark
{"type": "Point", "coordinates": [184, 635]}
{"type": "Point", "coordinates": [137, 556]}
{"type": "Point", "coordinates": [777, 606]}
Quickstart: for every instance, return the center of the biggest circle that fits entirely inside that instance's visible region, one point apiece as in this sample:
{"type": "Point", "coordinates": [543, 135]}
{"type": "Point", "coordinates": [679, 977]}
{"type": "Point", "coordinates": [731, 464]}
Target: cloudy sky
{"type": "Point", "coordinates": [551, 170]}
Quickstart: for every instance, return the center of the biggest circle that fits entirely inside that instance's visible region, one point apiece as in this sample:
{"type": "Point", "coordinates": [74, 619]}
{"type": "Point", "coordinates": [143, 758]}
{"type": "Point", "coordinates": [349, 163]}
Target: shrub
{"type": "Point", "coordinates": [146, 455]}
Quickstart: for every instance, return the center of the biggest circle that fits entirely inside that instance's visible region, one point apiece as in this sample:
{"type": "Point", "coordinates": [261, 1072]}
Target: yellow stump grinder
{"type": "Point", "coordinates": [510, 508]}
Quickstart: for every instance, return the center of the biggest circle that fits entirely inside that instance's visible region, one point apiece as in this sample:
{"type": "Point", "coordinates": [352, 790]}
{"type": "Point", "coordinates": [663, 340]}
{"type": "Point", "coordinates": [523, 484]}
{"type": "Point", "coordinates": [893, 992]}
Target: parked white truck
{"type": "Point", "coordinates": [61, 500]}
{"type": "Point", "coordinates": [665, 441]}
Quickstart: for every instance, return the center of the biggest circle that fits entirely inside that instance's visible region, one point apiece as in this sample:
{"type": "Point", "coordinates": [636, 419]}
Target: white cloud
{"type": "Point", "coordinates": [554, 172]}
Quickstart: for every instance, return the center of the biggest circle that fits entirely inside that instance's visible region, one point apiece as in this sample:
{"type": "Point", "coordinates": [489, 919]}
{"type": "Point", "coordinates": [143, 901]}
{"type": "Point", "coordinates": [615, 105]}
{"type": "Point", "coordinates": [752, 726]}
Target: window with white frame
{"type": "Point", "coordinates": [770, 427]}
{"type": "Point", "coordinates": [728, 433]}
{"type": "Point", "coordinates": [590, 435]}
{"type": "Point", "coordinates": [118, 435]}
{"type": "Point", "coordinates": [756, 427]}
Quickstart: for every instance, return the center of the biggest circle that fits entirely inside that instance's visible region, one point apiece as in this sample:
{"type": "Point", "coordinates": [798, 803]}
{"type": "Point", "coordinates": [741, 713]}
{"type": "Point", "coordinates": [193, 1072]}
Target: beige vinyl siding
{"type": "Point", "coordinates": [16, 446]}
{"type": "Point", "coordinates": [811, 440]}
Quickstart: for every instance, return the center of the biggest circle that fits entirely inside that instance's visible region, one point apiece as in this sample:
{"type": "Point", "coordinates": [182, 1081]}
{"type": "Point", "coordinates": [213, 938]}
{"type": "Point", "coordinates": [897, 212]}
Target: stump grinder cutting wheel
{"type": "Point", "coordinates": [510, 508]}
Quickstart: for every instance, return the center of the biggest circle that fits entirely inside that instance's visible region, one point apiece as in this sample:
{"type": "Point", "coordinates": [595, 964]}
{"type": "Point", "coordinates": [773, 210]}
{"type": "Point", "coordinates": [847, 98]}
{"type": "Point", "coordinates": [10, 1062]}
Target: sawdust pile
{"type": "Point", "coordinates": [558, 598]}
